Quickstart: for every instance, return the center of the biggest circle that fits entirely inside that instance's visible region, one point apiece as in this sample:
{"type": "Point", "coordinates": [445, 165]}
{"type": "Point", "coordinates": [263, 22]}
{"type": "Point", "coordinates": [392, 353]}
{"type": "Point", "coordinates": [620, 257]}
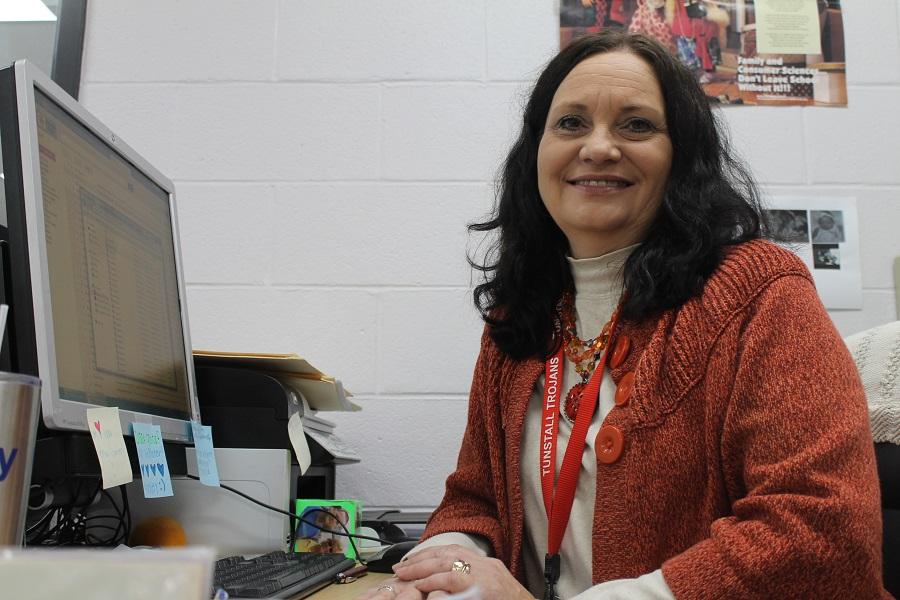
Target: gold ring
{"type": "Point", "coordinates": [461, 566]}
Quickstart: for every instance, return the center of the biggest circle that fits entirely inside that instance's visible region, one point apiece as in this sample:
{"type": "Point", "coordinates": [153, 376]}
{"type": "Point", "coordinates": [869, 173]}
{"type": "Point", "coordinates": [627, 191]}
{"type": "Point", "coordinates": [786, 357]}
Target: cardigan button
{"type": "Point", "coordinates": [626, 386]}
{"type": "Point", "coordinates": [609, 444]}
{"type": "Point", "coordinates": [620, 352]}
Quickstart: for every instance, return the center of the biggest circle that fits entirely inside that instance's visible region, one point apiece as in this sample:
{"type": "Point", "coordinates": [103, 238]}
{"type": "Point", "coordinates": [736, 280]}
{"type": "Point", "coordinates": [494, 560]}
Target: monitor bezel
{"type": "Point", "coordinates": [59, 412]}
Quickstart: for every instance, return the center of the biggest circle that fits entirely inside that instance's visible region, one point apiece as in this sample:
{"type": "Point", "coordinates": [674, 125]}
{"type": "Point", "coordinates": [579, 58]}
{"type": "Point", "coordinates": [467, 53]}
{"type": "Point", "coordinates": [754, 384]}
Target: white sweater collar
{"type": "Point", "coordinates": [598, 287]}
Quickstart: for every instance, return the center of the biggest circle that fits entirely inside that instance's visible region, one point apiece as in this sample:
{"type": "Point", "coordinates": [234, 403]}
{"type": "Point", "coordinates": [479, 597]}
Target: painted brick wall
{"type": "Point", "coordinates": [328, 156]}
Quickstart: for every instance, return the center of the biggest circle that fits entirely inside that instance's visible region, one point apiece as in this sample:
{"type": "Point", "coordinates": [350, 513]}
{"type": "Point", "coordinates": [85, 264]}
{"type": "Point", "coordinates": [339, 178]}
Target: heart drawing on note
{"type": "Point", "coordinates": [161, 468]}
{"type": "Point", "coordinates": [97, 426]}
{"type": "Point", "coordinates": [153, 468]}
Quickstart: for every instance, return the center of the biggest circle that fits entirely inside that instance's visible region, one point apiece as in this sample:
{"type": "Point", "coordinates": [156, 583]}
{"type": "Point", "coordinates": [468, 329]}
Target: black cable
{"type": "Point", "coordinates": [120, 514]}
{"type": "Point", "coordinates": [292, 536]}
{"type": "Point", "coordinates": [299, 518]}
{"type": "Point", "coordinates": [113, 539]}
{"type": "Point", "coordinates": [61, 523]}
{"type": "Point", "coordinates": [38, 537]}
{"type": "Point", "coordinates": [40, 521]}
{"type": "Point", "coordinates": [78, 532]}
{"type": "Point", "coordinates": [70, 522]}
{"type": "Point", "coordinates": [112, 503]}
{"type": "Point", "coordinates": [110, 527]}
{"type": "Point", "coordinates": [40, 526]}
{"type": "Point", "coordinates": [65, 532]}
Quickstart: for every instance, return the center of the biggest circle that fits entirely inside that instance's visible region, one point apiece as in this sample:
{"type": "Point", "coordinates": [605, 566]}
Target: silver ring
{"type": "Point", "coordinates": [461, 566]}
{"type": "Point", "coordinates": [388, 588]}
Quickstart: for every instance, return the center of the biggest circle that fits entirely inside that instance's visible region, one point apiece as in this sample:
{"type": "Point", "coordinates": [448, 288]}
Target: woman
{"type": "Point", "coordinates": [729, 455]}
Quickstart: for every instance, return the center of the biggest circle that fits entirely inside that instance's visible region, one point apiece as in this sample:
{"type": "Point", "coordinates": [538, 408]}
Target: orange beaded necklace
{"type": "Point", "coordinates": [583, 354]}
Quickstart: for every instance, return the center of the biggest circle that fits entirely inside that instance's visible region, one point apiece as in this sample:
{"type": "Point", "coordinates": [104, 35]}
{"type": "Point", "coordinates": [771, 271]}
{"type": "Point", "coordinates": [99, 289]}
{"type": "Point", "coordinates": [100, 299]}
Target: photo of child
{"type": "Point", "coordinates": [323, 528]}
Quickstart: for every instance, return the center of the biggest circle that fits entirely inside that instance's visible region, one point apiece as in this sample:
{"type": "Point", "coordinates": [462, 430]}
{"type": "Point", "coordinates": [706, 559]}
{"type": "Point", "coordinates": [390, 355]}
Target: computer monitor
{"type": "Point", "coordinates": [92, 267]}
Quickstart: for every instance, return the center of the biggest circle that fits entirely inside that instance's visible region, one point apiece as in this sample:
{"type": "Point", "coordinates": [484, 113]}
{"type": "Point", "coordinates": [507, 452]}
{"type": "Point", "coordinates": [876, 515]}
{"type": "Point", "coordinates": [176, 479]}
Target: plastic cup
{"type": "Point", "coordinates": [20, 402]}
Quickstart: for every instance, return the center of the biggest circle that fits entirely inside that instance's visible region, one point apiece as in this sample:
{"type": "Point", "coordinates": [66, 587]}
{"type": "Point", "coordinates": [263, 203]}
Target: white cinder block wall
{"type": "Point", "coordinates": [328, 156]}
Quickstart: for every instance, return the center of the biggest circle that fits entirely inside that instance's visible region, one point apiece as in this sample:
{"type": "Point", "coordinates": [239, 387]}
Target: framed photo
{"type": "Point", "coordinates": [325, 525]}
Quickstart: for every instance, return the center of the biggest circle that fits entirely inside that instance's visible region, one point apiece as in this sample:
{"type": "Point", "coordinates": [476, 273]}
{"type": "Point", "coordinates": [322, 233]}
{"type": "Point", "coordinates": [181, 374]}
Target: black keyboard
{"type": "Point", "coordinates": [277, 574]}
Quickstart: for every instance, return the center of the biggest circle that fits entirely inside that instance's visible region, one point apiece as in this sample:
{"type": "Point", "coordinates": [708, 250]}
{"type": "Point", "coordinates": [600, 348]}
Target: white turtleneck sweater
{"type": "Point", "coordinates": [598, 287]}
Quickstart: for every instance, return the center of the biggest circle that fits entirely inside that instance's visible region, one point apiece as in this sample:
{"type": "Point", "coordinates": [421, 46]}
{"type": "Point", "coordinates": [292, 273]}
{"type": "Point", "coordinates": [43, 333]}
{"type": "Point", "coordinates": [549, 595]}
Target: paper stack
{"type": "Point", "coordinates": [321, 391]}
{"type": "Point", "coordinates": [314, 390]}
{"type": "Point", "coordinates": [322, 431]}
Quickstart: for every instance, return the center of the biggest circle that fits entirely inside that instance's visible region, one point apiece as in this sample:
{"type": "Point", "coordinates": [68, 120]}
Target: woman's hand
{"type": "Point", "coordinates": [431, 572]}
{"type": "Point", "coordinates": [392, 589]}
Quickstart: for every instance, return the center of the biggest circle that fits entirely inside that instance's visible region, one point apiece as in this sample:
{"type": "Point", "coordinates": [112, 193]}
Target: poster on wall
{"type": "Point", "coordinates": [749, 52]}
{"type": "Point", "coordinates": [824, 232]}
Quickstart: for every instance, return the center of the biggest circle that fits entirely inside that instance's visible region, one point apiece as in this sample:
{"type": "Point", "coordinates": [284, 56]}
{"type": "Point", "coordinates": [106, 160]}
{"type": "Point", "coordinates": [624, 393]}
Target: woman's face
{"type": "Point", "coordinates": [605, 154]}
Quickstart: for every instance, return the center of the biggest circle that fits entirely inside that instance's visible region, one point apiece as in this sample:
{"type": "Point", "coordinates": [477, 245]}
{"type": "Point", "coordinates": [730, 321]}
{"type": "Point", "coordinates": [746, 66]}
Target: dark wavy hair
{"type": "Point", "coordinates": [710, 202]}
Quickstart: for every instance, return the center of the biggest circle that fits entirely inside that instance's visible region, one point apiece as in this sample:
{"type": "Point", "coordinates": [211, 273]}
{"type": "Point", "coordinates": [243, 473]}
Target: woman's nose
{"type": "Point", "coordinates": [600, 146]}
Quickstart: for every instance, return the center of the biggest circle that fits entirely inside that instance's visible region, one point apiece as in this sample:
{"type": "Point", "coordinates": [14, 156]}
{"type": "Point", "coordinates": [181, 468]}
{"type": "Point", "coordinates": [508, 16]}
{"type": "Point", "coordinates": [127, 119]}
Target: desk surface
{"type": "Point", "coordinates": [349, 591]}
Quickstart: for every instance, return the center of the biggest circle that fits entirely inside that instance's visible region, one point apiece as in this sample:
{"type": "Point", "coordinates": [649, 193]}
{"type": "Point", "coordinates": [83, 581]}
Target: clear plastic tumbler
{"type": "Point", "coordinates": [20, 401]}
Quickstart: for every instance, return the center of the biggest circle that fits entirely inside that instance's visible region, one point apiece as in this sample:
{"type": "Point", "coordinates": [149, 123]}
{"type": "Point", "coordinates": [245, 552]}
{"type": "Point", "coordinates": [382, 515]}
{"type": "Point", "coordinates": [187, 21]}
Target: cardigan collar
{"type": "Point", "coordinates": [744, 271]}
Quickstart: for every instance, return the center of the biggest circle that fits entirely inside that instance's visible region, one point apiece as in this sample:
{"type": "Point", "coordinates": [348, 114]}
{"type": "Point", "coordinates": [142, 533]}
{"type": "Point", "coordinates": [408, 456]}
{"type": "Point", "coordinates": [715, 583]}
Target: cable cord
{"type": "Point", "coordinates": [346, 533]}
{"type": "Point", "coordinates": [68, 525]}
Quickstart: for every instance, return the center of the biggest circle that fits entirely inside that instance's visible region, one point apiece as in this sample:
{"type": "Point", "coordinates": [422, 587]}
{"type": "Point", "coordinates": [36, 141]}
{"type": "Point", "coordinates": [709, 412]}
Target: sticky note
{"type": "Point", "coordinates": [298, 442]}
{"type": "Point", "coordinates": [106, 432]}
{"type": "Point", "coordinates": [206, 454]}
{"type": "Point", "coordinates": [152, 458]}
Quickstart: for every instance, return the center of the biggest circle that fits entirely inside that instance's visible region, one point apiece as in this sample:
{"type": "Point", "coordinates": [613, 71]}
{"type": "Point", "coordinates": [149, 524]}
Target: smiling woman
{"type": "Point", "coordinates": [605, 155]}
{"type": "Point", "coordinates": [662, 407]}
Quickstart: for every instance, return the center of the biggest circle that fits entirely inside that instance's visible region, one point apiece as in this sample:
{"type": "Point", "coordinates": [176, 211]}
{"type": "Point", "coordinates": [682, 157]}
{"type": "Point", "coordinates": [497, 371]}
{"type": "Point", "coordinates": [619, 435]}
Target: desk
{"type": "Point", "coordinates": [349, 591]}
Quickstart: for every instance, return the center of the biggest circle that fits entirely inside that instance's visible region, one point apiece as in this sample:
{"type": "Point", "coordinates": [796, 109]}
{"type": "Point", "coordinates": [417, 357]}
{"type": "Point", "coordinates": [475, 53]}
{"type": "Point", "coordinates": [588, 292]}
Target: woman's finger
{"type": "Point", "coordinates": [410, 571]}
{"type": "Point", "coordinates": [392, 589]}
{"type": "Point", "coordinates": [448, 581]}
{"type": "Point", "coordinates": [409, 593]}
{"type": "Point", "coordinates": [450, 551]}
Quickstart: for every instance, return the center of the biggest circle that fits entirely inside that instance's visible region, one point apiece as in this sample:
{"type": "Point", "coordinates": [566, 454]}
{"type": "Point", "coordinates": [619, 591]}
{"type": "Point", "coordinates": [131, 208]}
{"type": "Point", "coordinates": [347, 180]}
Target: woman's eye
{"type": "Point", "coordinates": [569, 123]}
{"type": "Point", "coordinates": [639, 126]}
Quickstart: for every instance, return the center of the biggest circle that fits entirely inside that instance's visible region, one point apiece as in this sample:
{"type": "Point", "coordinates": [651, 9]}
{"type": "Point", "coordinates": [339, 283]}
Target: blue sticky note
{"type": "Point", "coordinates": [152, 459]}
{"type": "Point", "coordinates": [206, 454]}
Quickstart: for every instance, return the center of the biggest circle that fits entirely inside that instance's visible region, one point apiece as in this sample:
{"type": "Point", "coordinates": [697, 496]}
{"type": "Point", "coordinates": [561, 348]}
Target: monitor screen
{"type": "Point", "coordinates": [104, 268]}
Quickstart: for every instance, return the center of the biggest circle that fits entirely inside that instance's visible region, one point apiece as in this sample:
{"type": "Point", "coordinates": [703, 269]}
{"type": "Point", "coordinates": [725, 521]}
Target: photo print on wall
{"type": "Point", "coordinates": [824, 232]}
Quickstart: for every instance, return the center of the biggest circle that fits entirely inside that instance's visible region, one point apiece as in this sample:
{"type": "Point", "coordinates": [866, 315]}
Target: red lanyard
{"type": "Point", "coordinates": [559, 506]}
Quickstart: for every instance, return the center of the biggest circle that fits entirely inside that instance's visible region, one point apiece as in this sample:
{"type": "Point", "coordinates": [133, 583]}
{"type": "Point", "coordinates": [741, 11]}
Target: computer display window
{"type": "Point", "coordinates": [111, 263]}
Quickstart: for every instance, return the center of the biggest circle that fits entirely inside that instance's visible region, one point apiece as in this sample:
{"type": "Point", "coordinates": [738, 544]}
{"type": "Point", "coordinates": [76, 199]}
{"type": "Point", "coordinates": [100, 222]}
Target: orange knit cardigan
{"type": "Point", "coordinates": [748, 468]}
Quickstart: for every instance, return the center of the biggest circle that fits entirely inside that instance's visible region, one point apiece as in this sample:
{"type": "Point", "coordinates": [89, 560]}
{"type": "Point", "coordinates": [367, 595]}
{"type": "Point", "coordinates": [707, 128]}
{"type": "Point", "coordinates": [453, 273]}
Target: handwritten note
{"type": "Point", "coordinates": [298, 442]}
{"type": "Point", "coordinates": [106, 432]}
{"type": "Point", "coordinates": [206, 454]}
{"type": "Point", "coordinates": [152, 458]}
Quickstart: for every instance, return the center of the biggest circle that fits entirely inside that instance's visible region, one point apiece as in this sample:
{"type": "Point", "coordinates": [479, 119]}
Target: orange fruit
{"type": "Point", "coordinates": [158, 531]}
